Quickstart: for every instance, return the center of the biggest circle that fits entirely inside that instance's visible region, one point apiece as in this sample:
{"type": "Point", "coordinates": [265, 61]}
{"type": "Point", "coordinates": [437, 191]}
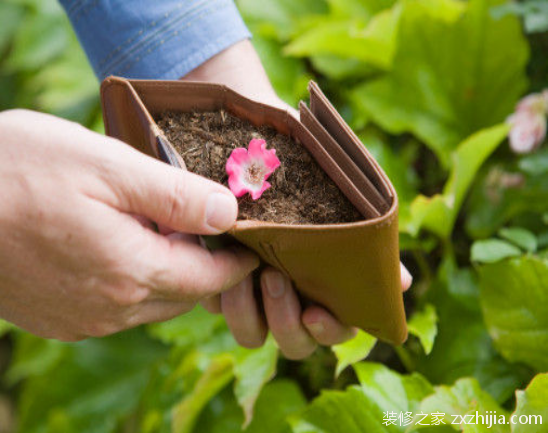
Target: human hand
{"type": "Point", "coordinates": [74, 260]}
{"type": "Point", "coordinates": [297, 330]}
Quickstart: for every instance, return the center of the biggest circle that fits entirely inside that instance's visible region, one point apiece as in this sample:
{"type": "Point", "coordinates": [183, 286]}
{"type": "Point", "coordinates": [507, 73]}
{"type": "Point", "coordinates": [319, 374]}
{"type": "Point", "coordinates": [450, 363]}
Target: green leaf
{"type": "Point", "coordinates": [493, 250]}
{"type": "Point", "coordinates": [514, 300]}
{"type": "Point", "coordinates": [463, 346]}
{"type": "Point", "coordinates": [218, 375]}
{"type": "Point", "coordinates": [5, 327]}
{"type": "Point", "coordinates": [10, 19]}
{"type": "Point", "coordinates": [535, 163]}
{"type": "Point", "coordinates": [39, 40]}
{"type": "Point", "coordinates": [438, 213]}
{"type": "Point", "coordinates": [390, 391]}
{"type": "Point", "coordinates": [278, 18]}
{"type": "Point", "coordinates": [361, 409]}
{"type": "Point", "coordinates": [465, 397]}
{"type": "Point", "coordinates": [423, 324]}
{"type": "Point", "coordinates": [253, 369]}
{"type": "Point", "coordinates": [93, 385]}
{"type": "Point", "coordinates": [188, 329]}
{"type": "Point", "coordinates": [353, 351]}
{"type": "Point", "coordinates": [371, 42]}
{"type": "Point", "coordinates": [521, 237]}
{"type": "Point", "coordinates": [278, 400]}
{"type": "Point", "coordinates": [533, 402]}
{"type": "Point", "coordinates": [33, 356]}
{"type": "Point", "coordinates": [443, 97]}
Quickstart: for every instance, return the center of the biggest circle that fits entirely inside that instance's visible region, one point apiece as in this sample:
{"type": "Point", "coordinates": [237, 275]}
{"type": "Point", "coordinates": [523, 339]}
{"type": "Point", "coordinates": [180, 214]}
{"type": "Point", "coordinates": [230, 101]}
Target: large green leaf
{"type": "Point", "coordinates": [279, 18]}
{"type": "Point", "coordinates": [449, 78]}
{"type": "Point", "coordinates": [371, 42]}
{"type": "Point", "coordinates": [438, 213]}
{"type": "Point", "coordinates": [362, 409]}
{"type": "Point", "coordinates": [91, 387]}
{"type": "Point", "coordinates": [514, 300]}
{"type": "Point", "coordinates": [463, 346]}
{"type": "Point", "coordinates": [533, 403]}
{"type": "Point", "coordinates": [464, 398]}
{"type": "Point", "coordinates": [277, 401]}
{"type": "Point", "coordinates": [253, 369]}
{"type": "Point", "coordinates": [354, 350]}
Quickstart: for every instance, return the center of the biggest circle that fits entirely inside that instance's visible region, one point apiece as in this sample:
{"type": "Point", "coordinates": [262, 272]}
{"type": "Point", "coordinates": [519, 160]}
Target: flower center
{"type": "Point", "coordinates": [255, 174]}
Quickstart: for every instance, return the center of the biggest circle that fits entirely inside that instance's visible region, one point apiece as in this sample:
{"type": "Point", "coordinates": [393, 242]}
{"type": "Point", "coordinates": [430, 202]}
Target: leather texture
{"type": "Point", "coordinates": [353, 269]}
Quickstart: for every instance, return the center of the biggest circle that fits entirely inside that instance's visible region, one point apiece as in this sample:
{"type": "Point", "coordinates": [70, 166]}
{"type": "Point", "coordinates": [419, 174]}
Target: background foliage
{"type": "Point", "coordinates": [427, 85]}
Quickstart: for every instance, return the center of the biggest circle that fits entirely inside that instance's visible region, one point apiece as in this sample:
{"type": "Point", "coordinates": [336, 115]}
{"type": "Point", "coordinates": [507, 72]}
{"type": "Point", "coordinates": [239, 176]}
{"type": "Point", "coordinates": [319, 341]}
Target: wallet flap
{"type": "Point", "coordinates": [332, 121]}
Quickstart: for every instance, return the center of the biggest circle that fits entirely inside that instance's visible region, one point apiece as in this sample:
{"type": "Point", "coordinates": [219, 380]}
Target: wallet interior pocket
{"type": "Point", "coordinates": [324, 112]}
{"type": "Point", "coordinates": [343, 160]}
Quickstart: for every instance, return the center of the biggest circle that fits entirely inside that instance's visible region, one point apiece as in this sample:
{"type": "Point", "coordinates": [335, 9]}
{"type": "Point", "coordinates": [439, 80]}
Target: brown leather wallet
{"type": "Point", "coordinates": [353, 269]}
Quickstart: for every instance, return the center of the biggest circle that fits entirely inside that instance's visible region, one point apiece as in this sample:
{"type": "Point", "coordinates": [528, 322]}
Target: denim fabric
{"type": "Point", "coordinates": [162, 39]}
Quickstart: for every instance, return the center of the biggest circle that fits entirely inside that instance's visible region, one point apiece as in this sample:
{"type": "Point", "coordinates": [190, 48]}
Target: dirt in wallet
{"type": "Point", "coordinates": [301, 192]}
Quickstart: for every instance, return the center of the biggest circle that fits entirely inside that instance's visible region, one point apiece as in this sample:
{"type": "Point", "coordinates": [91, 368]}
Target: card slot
{"type": "Point", "coordinates": [335, 125]}
{"type": "Point", "coordinates": [337, 175]}
{"type": "Point", "coordinates": [342, 159]}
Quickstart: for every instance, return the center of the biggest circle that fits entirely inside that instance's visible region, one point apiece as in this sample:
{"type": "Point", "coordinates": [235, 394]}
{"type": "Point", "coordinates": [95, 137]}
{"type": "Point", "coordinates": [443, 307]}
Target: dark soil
{"type": "Point", "coordinates": [301, 192]}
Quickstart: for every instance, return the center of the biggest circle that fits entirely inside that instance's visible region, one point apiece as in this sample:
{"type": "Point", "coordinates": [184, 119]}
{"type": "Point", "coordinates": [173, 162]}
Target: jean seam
{"type": "Point", "coordinates": [196, 12]}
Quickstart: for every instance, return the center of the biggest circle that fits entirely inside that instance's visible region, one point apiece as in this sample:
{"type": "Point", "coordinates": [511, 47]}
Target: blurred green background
{"type": "Point", "coordinates": [427, 85]}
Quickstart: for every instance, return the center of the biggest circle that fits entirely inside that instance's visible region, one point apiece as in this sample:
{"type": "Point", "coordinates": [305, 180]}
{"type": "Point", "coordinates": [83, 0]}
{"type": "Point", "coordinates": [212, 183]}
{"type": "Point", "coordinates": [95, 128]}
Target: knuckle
{"type": "Point", "coordinates": [178, 199]}
{"type": "Point", "coordinates": [101, 329]}
{"type": "Point", "coordinates": [127, 296]}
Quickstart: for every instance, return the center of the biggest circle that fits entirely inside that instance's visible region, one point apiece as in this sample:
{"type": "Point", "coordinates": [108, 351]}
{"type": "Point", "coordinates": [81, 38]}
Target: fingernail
{"type": "Point", "coordinates": [220, 211]}
{"type": "Point", "coordinates": [315, 328]}
{"type": "Point", "coordinates": [275, 284]}
{"type": "Point", "coordinates": [406, 276]}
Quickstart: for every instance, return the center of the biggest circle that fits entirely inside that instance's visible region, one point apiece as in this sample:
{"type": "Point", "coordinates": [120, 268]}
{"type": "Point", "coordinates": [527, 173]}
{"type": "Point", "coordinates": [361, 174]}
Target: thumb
{"type": "Point", "coordinates": [175, 198]}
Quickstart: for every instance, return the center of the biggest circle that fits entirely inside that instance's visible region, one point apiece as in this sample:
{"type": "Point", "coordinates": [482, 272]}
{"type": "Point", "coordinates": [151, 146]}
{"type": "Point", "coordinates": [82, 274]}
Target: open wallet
{"type": "Point", "coordinates": [352, 269]}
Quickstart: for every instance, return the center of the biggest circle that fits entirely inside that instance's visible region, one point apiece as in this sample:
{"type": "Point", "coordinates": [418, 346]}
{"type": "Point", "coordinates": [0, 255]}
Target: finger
{"type": "Point", "coordinates": [177, 199]}
{"type": "Point", "coordinates": [185, 271]}
{"type": "Point", "coordinates": [406, 278]}
{"type": "Point", "coordinates": [243, 316]}
{"type": "Point", "coordinates": [212, 304]}
{"type": "Point", "coordinates": [156, 311]}
{"type": "Point", "coordinates": [283, 314]}
{"type": "Point", "coordinates": [325, 329]}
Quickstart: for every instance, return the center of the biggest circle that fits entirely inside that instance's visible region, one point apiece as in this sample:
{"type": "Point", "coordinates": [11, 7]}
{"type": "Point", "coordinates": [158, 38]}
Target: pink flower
{"type": "Point", "coordinates": [529, 123]}
{"type": "Point", "coordinates": [248, 169]}
{"type": "Point", "coordinates": [528, 131]}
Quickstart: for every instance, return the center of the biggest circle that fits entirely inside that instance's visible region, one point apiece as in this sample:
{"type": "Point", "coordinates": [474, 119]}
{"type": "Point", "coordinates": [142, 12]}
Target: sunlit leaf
{"type": "Point", "coordinates": [493, 250]}
{"type": "Point", "coordinates": [533, 403]}
{"type": "Point", "coordinates": [424, 325]}
{"type": "Point", "coordinates": [521, 237]}
{"type": "Point", "coordinates": [353, 351]}
{"type": "Point", "coordinates": [465, 397]}
{"type": "Point", "coordinates": [514, 300]}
